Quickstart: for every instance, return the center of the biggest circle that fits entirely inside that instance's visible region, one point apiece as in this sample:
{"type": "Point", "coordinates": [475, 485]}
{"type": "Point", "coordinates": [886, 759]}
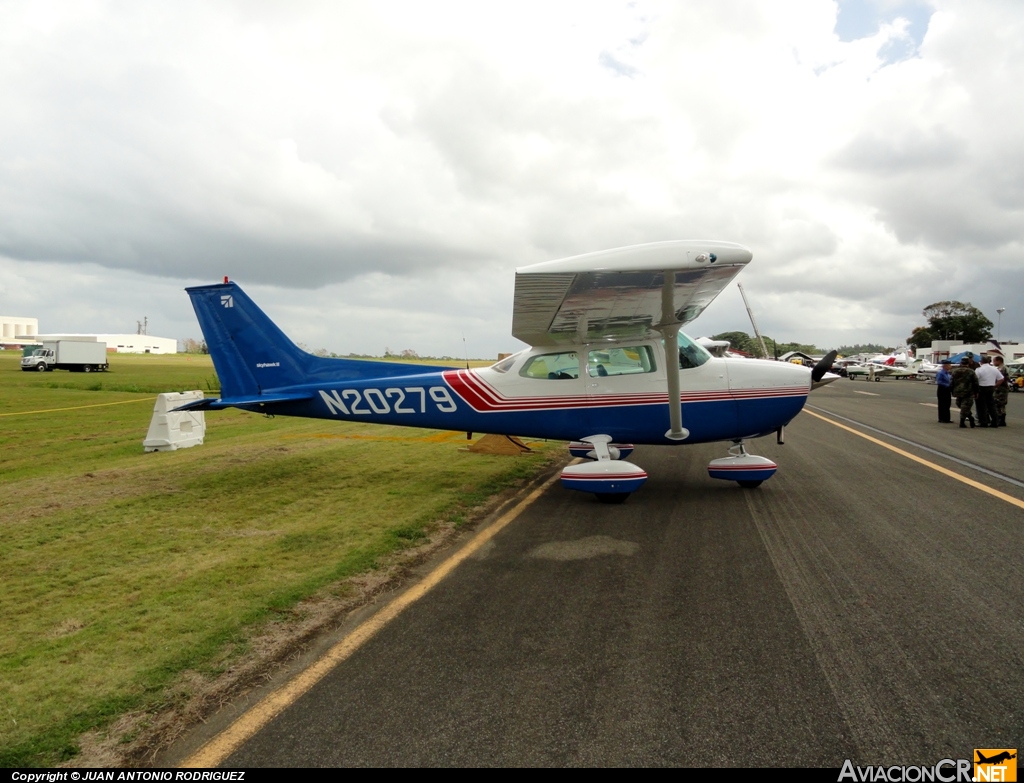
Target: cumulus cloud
{"type": "Point", "coordinates": [376, 172]}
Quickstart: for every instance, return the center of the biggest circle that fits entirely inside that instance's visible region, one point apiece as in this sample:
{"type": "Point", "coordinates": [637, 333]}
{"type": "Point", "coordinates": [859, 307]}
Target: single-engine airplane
{"type": "Point", "coordinates": [607, 356]}
{"type": "Point", "coordinates": [876, 370]}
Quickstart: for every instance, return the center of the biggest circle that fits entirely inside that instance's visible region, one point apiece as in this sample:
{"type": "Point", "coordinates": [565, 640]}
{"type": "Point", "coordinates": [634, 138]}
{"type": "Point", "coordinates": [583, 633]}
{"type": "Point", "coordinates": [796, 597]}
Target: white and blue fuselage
{"type": "Point", "coordinates": [721, 399]}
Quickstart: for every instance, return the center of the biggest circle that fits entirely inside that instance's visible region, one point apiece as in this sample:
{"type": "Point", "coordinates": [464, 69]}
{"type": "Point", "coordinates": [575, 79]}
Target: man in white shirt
{"type": "Point", "coordinates": [988, 377]}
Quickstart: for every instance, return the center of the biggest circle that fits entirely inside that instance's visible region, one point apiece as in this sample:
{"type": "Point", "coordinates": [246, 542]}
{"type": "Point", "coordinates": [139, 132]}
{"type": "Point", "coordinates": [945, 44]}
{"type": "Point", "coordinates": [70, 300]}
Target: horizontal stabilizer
{"type": "Point", "coordinates": [244, 402]}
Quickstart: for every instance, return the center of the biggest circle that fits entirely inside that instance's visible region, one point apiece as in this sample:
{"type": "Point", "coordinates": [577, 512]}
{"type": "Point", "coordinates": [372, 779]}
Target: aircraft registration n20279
{"type": "Point", "coordinates": [608, 368]}
{"type": "Point", "coordinates": [365, 402]}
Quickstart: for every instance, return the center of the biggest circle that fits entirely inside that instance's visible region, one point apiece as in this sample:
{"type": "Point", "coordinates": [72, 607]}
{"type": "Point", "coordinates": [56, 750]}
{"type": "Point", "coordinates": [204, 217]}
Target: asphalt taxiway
{"type": "Point", "coordinates": [865, 603]}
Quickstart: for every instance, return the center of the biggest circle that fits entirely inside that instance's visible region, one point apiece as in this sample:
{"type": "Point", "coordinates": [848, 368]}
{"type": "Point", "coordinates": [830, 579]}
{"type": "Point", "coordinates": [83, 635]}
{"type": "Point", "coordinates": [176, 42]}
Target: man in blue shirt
{"type": "Point", "coordinates": [943, 381]}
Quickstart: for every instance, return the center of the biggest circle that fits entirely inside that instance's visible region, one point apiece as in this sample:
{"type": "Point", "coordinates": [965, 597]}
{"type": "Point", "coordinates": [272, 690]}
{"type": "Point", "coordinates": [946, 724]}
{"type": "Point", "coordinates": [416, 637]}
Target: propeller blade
{"type": "Point", "coordinates": [823, 366]}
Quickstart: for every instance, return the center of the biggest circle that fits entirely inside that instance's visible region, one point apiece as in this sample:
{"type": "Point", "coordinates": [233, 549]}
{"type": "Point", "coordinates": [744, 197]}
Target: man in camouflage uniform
{"type": "Point", "coordinates": [965, 390]}
{"type": "Point", "coordinates": [1002, 393]}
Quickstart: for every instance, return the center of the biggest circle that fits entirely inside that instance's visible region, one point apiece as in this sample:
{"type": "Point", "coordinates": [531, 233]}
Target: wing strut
{"type": "Point", "coordinates": [669, 328]}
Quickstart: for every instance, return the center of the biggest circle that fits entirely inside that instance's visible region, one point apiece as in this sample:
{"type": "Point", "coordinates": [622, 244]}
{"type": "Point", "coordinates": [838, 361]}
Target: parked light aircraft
{"type": "Point", "coordinates": [883, 366]}
{"type": "Point", "coordinates": [926, 369]}
{"type": "Point", "coordinates": [606, 357]}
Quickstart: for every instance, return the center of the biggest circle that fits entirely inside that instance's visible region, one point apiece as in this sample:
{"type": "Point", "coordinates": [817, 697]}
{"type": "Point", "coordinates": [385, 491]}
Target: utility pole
{"type": "Point", "coordinates": [999, 324]}
{"type": "Point", "coordinates": [760, 339]}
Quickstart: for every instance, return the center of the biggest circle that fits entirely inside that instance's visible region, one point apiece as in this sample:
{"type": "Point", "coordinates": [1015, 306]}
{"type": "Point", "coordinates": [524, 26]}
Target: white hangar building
{"type": "Point", "coordinates": [12, 327]}
{"type": "Point", "coordinates": [122, 343]}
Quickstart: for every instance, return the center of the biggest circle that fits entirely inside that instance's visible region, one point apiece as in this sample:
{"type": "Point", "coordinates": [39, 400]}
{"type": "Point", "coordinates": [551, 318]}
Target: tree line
{"type": "Point", "coordinates": [950, 320]}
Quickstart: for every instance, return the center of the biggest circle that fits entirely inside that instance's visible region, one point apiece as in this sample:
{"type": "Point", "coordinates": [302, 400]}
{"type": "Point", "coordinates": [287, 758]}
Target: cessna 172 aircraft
{"type": "Point", "coordinates": [607, 356]}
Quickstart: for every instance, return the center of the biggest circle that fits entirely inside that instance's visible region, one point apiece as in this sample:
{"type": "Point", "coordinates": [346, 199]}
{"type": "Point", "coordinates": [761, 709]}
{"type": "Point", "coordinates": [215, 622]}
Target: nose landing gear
{"type": "Point", "coordinates": [747, 470]}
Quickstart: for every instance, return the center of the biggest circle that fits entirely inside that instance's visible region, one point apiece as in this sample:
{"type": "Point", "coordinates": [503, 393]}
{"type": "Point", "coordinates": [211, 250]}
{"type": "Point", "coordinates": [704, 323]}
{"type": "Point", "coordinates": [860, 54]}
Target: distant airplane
{"type": "Point", "coordinates": [883, 367]}
{"type": "Point", "coordinates": [607, 357]}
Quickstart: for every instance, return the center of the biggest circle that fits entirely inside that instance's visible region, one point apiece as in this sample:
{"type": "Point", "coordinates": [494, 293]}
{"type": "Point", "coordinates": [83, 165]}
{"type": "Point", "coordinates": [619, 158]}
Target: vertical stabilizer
{"type": "Point", "coordinates": [250, 352]}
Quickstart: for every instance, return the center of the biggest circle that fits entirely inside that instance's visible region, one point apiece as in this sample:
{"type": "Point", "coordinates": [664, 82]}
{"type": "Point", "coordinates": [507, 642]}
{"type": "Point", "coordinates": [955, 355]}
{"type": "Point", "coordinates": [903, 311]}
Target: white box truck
{"type": "Point", "coordinates": [73, 355]}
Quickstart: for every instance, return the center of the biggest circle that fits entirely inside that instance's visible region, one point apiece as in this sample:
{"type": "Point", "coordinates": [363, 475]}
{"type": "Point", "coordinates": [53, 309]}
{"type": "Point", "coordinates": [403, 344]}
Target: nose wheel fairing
{"type": "Point", "coordinates": [748, 470]}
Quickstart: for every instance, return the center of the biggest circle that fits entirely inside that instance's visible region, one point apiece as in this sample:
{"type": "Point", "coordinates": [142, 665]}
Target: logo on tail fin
{"type": "Point", "coordinates": [227, 300]}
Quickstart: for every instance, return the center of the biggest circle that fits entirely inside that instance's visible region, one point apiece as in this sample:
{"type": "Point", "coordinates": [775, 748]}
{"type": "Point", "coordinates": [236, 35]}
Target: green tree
{"type": "Point", "coordinates": [741, 341]}
{"type": "Point", "coordinates": [921, 337]}
{"type": "Point", "coordinates": [951, 320]}
{"type": "Point", "coordinates": [749, 344]}
{"type": "Point", "coordinates": [776, 349]}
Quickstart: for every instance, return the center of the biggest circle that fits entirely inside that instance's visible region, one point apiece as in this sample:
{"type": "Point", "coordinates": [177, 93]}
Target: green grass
{"type": "Point", "coordinates": [121, 570]}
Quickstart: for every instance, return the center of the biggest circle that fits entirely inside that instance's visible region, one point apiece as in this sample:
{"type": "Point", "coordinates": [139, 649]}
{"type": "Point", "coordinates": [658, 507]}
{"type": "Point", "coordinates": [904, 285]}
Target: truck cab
{"type": "Point", "coordinates": [40, 360]}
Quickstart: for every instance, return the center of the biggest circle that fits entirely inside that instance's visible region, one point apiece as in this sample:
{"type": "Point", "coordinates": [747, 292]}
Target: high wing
{"type": "Point", "coordinates": [629, 292]}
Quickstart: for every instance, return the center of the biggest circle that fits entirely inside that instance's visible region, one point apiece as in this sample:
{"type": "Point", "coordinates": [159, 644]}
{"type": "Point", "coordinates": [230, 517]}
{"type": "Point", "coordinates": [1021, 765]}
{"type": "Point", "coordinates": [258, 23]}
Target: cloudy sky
{"type": "Point", "coordinates": [373, 173]}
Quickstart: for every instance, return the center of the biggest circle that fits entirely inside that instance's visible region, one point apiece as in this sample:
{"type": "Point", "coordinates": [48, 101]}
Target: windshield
{"type": "Point", "coordinates": [690, 354]}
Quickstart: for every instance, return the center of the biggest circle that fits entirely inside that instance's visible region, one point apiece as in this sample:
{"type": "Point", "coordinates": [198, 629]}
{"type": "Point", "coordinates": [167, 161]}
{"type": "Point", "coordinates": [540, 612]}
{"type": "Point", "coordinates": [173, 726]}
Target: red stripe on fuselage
{"type": "Point", "coordinates": [773, 466]}
{"type": "Point", "coordinates": [484, 398]}
{"type": "Point", "coordinates": [604, 476]}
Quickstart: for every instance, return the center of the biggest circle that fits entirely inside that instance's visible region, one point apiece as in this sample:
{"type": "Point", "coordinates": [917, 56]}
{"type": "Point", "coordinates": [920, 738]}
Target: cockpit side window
{"type": "Point", "coordinates": [621, 361]}
{"type": "Point", "coordinates": [553, 367]}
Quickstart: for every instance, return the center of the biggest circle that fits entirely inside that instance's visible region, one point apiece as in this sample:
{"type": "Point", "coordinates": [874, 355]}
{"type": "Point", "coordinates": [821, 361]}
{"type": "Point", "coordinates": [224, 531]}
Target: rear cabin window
{"type": "Point", "coordinates": [553, 367]}
{"type": "Point", "coordinates": [621, 361]}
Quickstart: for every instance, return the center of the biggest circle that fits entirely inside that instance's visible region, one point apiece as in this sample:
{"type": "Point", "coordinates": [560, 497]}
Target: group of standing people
{"type": "Point", "coordinates": [988, 383]}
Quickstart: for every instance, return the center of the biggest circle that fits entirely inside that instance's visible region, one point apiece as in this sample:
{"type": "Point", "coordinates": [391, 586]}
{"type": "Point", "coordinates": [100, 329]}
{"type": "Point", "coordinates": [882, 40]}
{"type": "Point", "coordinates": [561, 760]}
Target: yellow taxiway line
{"type": "Point", "coordinates": [224, 744]}
{"type": "Point", "coordinates": [79, 407]}
{"type": "Point", "coordinates": [944, 471]}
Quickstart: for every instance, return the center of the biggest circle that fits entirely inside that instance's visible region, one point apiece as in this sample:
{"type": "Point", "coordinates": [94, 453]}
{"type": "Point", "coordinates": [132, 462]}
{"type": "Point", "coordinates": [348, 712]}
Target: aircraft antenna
{"type": "Point", "coordinates": [757, 332]}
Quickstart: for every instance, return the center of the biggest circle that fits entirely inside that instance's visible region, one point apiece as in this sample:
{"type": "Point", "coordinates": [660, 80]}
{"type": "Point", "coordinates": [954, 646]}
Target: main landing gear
{"type": "Point", "coordinates": [607, 475]}
{"type": "Point", "coordinates": [612, 479]}
{"type": "Point", "coordinates": [747, 470]}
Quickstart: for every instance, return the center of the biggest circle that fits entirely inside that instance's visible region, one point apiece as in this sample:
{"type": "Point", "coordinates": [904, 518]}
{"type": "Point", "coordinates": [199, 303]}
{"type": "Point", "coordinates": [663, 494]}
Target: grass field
{"type": "Point", "coordinates": [122, 570]}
